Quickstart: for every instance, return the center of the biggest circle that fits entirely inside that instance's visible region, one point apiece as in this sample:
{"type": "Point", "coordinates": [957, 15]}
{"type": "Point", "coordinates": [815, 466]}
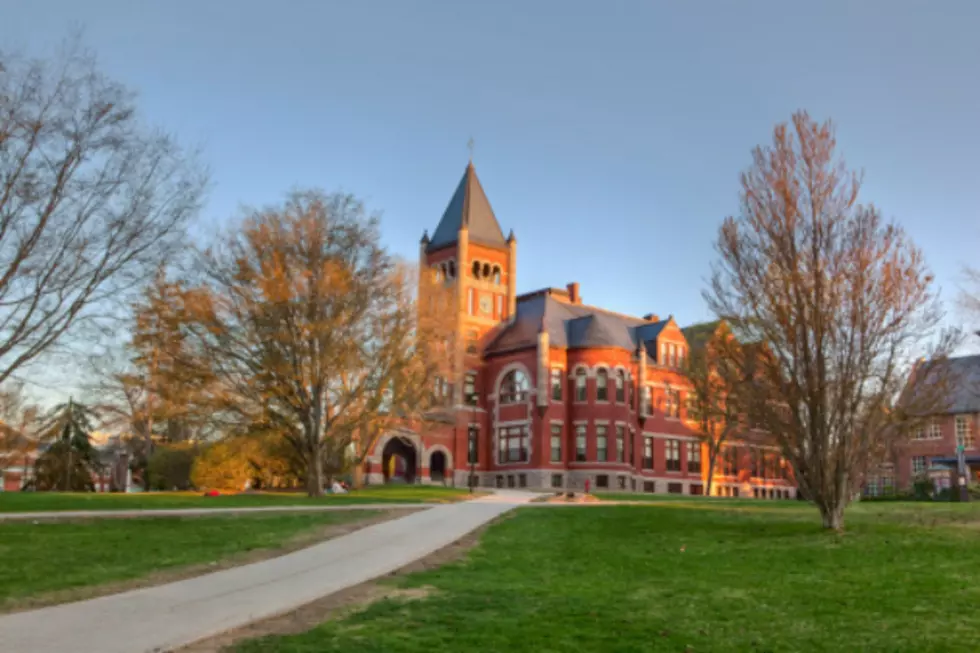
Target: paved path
{"type": "Point", "coordinates": [168, 616]}
{"type": "Point", "coordinates": [197, 512]}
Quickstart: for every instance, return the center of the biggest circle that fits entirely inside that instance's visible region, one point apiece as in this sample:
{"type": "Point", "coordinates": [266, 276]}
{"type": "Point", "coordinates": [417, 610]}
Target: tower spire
{"type": "Point", "coordinates": [471, 145]}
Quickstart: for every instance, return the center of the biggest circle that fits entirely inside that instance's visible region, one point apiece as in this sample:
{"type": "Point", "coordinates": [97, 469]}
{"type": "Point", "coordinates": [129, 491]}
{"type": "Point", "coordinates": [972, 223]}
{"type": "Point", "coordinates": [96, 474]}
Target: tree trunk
{"type": "Point", "coordinates": [712, 453]}
{"type": "Point", "coordinates": [832, 513]}
{"type": "Point", "coordinates": [314, 475]}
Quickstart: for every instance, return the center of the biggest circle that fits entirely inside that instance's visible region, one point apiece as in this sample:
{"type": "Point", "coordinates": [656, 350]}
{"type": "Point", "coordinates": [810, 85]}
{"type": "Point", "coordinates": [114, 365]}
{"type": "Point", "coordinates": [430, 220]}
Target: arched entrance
{"type": "Point", "coordinates": [398, 460]}
{"type": "Point", "coordinates": [437, 466]}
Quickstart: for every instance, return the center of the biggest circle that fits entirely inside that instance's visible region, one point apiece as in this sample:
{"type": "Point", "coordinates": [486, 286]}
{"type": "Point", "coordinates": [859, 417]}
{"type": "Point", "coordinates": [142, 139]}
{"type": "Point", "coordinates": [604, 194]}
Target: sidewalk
{"type": "Point", "coordinates": [167, 616]}
{"type": "Point", "coordinates": [201, 512]}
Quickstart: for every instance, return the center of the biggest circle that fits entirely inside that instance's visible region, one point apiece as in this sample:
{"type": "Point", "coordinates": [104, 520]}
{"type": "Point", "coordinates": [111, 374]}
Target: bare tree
{"type": "Point", "coordinates": [840, 301]}
{"type": "Point", "coordinates": [91, 201]}
{"type": "Point", "coordinates": [310, 329]}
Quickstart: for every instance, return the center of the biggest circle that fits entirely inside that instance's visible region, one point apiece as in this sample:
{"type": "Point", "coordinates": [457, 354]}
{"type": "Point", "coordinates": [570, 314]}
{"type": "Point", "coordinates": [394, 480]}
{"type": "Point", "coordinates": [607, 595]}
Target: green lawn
{"type": "Point", "coordinates": [35, 501]}
{"type": "Point", "coordinates": [47, 556]}
{"type": "Point", "coordinates": [688, 576]}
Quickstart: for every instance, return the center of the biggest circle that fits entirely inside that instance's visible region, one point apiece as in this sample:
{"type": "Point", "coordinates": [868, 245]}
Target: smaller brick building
{"type": "Point", "coordinates": [932, 450]}
{"type": "Point", "coordinates": [549, 392]}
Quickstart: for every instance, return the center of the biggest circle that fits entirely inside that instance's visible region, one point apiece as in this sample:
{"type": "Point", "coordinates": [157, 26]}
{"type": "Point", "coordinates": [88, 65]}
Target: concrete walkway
{"type": "Point", "coordinates": [168, 616]}
{"type": "Point", "coordinates": [198, 512]}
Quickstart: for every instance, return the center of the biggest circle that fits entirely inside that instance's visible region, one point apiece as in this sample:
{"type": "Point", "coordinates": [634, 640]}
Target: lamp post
{"type": "Point", "coordinates": [961, 473]}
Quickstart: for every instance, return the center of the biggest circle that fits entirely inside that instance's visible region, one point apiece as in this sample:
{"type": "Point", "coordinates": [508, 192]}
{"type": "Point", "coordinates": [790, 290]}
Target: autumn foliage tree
{"type": "Point", "coordinates": [840, 300]}
{"type": "Point", "coordinates": [713, 369]}
{"type": "Point", "coordinates": [310, 329]}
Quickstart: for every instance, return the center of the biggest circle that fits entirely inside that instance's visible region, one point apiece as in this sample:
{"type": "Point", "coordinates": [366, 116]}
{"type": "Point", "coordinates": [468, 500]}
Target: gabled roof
{"type": "Point", "coordinates": [574, 326]}
{"type": "Point", "coordinates": [469, 206]}
{"type": "Point", "coordinates": [963, 376]}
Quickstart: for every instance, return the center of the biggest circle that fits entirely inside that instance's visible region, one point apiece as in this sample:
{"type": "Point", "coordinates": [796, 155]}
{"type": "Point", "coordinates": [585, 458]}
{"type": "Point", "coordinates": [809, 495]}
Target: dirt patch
{"type": "Point", "coordinates": [343, 603]}
{"type": "Point", "coordinates": [300, 541]}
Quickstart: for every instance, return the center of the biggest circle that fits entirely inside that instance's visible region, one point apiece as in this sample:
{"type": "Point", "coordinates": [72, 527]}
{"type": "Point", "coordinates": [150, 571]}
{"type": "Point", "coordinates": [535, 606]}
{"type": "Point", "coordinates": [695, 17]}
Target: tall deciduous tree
{"type": "Point", "coordinates": [840, 299]}
{"type": "Point", "coordinates": [91, 201]}
{"type": "Point", "coordinates": [310, 328]}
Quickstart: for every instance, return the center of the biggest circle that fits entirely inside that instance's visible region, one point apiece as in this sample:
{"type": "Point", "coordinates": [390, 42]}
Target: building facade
{"type": "Point", "coordinates": [931, 451]}
{"type": "Point", "coordinates": [548, 392]}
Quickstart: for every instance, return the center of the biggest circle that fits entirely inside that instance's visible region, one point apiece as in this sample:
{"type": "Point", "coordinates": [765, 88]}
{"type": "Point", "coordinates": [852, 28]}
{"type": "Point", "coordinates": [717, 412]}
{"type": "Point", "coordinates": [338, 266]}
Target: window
{"type": "Point", "coordinates": [620, 386]}
{"type": "Point", "coordinates": [621, 482]}
{"type": "Point", "coordinates": [680, 357]}
{"type": "Point", "coordinates": [649, 486]}
{"type": "Point", "coordinates": [512, 444]}
{"type": "Point", "coordinates": [673, 455]}
{"type": "Point", "coordinates": [522, 480]}
{"type": "Point", "coordinates": [514, 387]}
{"type": "Point", "coordinates": [663, 353]}
{"type": "Point", "coordinates": [601, 385]}
{"type": "Point", "coordinates": [919, 465]}
{"type": "Point", "coordinates": [647, 408]}
{"type": "Point", "coordinates": [472, 438]}
{"type": "Point", "coordinates": [632, 397]}
{"type": "Point", "coordinates": [471, 301]}
{"type": "Point", "coordinates": [556, 383]}
{"type": "Point", "coordinates": [580, 375]}
{"type": "Point", "coordinates": [580, 443]}
{"type": "Point", "coordinates": [620, 443]}
{"type": "Point", "coordinates": [476, 270]}
{"type": "Point", "coordinates": [964, 431]}
{"type": "Point", "coordinates": [697, 490]}
{"type": "Point", "coordinates": [673, 355]}
{"type": "Point", "coordinates": [647, 453]}
{"type": "Point", "coordinates": [675, 488]}
{"type": "Point", "coordinates": [510, 480]}
{"type": "Point", "coordinates": [672, 400]}
{"type": "Point", "coordinates": [935, 430]}
{"type": "Point", "coordinates": [556, 443]}
{"type": "Point", "coordinates": [919, 433]}
{"type": "Point", "coordinates": [602, 481]}
{"type": "Point", "coordinates": [693, 457]}
{"type": "Point", "coordinates": [469, 389]}
{"type": "Point", "coordinates": [496, 275]}
{"type": "Point", "coordinates": [556, 481]}
{"type": "Point", "coordinates": [500, 307]}
{"type": "Point", "coordinates": [601, 444]}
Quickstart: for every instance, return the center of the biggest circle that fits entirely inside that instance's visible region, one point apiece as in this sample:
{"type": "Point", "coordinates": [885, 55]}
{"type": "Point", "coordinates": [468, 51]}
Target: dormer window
{"type": "Point", "coordinates": [620, 386]}
{"type": "Point", "coordinates": [601, 385]}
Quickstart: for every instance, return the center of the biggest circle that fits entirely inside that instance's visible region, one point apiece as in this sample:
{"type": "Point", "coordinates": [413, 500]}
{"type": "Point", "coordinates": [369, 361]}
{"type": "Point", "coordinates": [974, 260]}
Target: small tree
{"type": "Point", "coordinates": [713, 373]}
{"type": "Point", "coordinates": [69, 460]}
{"type": "Point", "coordinates": [839, 300]}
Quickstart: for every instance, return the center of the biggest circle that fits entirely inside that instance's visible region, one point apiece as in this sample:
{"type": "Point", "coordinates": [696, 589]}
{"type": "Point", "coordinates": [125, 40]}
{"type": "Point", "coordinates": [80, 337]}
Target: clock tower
{"type": "Point", "coordinates": [469, 253]}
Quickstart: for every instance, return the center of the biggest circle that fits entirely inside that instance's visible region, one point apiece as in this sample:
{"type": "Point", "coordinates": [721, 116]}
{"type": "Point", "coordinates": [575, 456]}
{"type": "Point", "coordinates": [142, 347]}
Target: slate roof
{"type": "Point", "coordinates": [573, 326]}
{"type": "Point", "coordinates": [697, 335]}
{"type": "Point", "coordinates": [964, 376]}
{"type": "Point", "coordinates": [470, 206]}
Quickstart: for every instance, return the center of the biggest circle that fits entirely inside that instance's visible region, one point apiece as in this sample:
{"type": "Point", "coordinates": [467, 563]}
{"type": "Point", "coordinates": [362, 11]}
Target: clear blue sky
{"type": "Point", "coordinates": [609, 135]}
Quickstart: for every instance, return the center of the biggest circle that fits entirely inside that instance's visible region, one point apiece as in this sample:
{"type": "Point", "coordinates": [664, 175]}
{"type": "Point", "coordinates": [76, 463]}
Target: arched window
{"type": "Point", "coordinates": [601, 385]}
{"type": "Point", "coordinates": [632, 396]}
{"type": "Point", "coordinates": [452, 269]}
{"type": "Point", "coordinates": [620, 386]}
{"type": "Point", "coordinates": [476, 269]}
{"type": "Point", "coordinates": [496, 275]}
{"type": "Point", "coordinates": [580, 384]}
{"type": "Point", "coordinates": [514, 387]}
{"type": "Point", "coordinates": [486, 270]}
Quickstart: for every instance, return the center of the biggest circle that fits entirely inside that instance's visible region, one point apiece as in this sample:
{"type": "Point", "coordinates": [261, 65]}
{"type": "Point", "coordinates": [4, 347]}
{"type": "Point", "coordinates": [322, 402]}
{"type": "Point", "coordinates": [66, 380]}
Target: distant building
{"type": "Point", "coordinates": [932, 449]}
{"type": "Point", "coordinates": [551, 393]}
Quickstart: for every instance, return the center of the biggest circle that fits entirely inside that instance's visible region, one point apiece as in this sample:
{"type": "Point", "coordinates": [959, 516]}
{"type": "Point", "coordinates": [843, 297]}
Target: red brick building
{"type": "Point", "coordinates": [932, 450]}
{"type": "Point", "coordinates": [550, 392]}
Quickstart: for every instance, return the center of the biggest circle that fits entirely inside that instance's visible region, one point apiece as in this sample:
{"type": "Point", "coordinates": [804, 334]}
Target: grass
{"type": "Point", "coordinates": [43, 501]}
{"type": "Point", "coordinates": [687, 576]}
{"type": "Point", "coordinates": [44, 557]}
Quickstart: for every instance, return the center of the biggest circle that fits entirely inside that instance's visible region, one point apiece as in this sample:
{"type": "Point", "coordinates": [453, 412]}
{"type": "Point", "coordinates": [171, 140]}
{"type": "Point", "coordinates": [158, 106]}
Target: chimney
{"type": "Point", "coordinates": [651, 317]}
{"type": "Point", "coordinates": [573, 296]}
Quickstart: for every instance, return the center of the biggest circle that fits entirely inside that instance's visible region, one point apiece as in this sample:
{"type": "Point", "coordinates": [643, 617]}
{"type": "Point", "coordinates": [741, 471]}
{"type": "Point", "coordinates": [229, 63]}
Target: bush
{"type": "Point", "coordinates": [243, 461]}
{"type": "Point", "coordinates": [169, 468]}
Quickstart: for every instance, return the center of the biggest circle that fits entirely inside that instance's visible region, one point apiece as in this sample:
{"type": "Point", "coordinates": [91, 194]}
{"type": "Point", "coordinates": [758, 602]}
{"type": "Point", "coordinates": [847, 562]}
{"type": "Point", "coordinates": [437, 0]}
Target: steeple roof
{"type": "Point", "coordinates": [469, 206]}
